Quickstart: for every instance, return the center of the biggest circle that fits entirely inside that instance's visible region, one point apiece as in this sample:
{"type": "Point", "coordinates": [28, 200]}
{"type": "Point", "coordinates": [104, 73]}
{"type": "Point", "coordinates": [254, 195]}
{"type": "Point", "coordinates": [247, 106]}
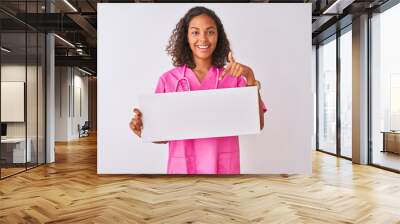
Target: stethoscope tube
{"type": "Point", "coordinates": [187, 80]}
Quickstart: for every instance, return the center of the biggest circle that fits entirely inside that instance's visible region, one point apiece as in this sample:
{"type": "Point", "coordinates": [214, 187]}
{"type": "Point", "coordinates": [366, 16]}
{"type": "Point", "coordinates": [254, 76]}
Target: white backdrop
{"type": "Point", "coordinates": [273, 39]}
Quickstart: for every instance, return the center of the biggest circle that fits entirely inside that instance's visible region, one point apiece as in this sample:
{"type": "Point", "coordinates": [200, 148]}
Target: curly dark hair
{"type": "Point", "coordinates": [178, 46]}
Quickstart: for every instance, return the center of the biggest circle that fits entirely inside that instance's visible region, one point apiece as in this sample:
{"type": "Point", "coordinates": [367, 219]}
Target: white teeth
{"type": "Point", "coordinates": [202, 46]}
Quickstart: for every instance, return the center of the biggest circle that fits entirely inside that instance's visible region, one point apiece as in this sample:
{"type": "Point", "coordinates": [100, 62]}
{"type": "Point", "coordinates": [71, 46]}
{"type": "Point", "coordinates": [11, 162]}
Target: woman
{"type": "Point", "coordinates": [200, 49]}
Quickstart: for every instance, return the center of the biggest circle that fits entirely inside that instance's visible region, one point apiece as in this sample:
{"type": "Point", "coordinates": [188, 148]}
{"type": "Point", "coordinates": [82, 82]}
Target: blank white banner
{"type": "Point", "coordinates": [200, 114]}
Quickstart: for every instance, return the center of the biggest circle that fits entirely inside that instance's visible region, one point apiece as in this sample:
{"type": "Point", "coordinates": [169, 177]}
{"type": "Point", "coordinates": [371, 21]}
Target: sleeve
{"type": "Point", "coordinates": [241, 83]}
{"type": "Point", "coordinates": [160, 86]}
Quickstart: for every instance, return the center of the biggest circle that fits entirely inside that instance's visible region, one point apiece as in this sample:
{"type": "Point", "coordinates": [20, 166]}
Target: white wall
{"type": "Point", "coordinates": [69, 82]}
{"type": "Point", "coordinates": [80, 89]}
{"type": "Point", "coordinates": [61, 103]}
{"type": "Point", "coordinates": [16, 72]}
{"type": "Point", "coordinates": [274, 39]}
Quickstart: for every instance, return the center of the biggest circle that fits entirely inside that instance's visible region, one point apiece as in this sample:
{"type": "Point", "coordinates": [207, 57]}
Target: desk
{"type": "Point", "coordinates": [391, 141]}
{"type": "Point", "coordinates": [13, 150]}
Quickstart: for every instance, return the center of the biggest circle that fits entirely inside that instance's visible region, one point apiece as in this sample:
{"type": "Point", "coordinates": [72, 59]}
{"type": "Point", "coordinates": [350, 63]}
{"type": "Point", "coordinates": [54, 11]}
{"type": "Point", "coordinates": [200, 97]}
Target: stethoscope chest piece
{"type": "Point", "coordinates": [184, 84]}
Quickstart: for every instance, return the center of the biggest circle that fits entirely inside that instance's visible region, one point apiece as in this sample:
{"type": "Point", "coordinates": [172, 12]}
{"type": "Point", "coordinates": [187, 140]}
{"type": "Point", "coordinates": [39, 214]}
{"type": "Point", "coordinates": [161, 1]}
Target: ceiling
{"type": "Point", "coordinates": [76, 22]}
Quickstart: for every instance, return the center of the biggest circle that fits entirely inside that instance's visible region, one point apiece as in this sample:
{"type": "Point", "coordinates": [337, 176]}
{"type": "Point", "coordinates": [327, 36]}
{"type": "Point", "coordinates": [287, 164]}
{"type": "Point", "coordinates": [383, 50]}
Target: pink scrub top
{"type": "Point", "coordinates": [206, 155]}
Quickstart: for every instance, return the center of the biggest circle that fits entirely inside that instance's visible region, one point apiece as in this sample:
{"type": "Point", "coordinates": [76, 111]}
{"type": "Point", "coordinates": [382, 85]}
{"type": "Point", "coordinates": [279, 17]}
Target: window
{"type": "Point", "coordinates": [327, 96]}
{"type": "Point", "coordinates": [346, 93]}
{"type": "Point", "coordinates": [385, 88]}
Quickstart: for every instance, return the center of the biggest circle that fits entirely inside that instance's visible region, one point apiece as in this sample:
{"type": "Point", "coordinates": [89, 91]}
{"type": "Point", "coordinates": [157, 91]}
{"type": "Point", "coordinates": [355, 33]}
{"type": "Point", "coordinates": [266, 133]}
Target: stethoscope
{"type": "Point", "coordinates": [187, 80]}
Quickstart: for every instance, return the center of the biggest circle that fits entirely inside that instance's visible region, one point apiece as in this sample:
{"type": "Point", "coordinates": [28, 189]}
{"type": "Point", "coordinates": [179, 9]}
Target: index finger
{"type": "Point", "coordinates": [226, 68]}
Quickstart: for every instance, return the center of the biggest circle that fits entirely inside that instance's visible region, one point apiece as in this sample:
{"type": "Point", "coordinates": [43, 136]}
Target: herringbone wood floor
{"type": "Point", "coordinates": [70, 191]}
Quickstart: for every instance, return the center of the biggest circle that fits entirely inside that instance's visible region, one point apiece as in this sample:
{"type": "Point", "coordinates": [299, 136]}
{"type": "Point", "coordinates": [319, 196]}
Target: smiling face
{"type": "Point", "coordinates": [202, 37]}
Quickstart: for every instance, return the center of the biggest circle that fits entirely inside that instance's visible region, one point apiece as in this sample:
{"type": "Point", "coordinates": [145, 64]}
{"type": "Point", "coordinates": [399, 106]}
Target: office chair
{"type": "Point", "coordinates": [84, 130]}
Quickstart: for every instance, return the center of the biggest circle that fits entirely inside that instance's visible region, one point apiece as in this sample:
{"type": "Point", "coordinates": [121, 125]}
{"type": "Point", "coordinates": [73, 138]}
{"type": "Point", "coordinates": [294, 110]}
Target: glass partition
{"type": "Point", "coordinates": [32, 95]}
{"type": "Point", "coordinates": [22, 63]}
{"type": "Point", "coordinates": [41, 107]}
{"type": "Point", "coordinates": [13, 111]}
